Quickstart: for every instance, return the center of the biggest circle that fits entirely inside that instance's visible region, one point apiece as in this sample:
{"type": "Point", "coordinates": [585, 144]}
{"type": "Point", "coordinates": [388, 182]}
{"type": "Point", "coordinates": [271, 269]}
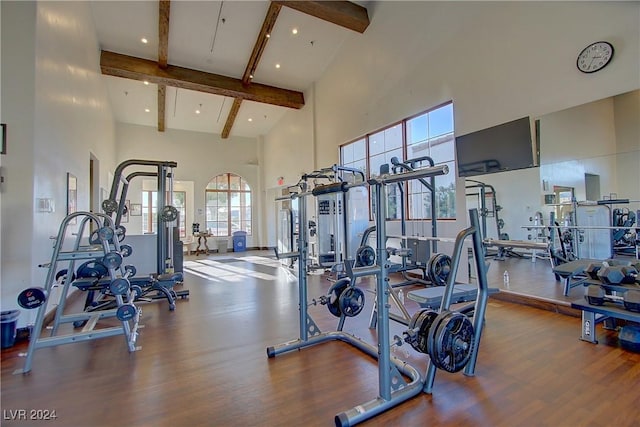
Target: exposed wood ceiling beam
{"type": "Point", "coordinates": [164, 9]}
{"type": "Point", "coordinates": [129, 67]}
{"type": "Point", "coordinates": [261, 42]}
{"type": "Point", "coordinates": [162, 101]}
{"type": "Point", "coordinates": [344, 13]}
{"type": "Point", "coordinates": [231, 118]}
{"type": "Point", "coordinates": [163, 31]}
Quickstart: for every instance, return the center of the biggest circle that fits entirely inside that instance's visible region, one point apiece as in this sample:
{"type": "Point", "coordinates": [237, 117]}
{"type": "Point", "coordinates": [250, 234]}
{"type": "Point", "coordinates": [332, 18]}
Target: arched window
{"type": "Point", "coordinates": [228, 205]}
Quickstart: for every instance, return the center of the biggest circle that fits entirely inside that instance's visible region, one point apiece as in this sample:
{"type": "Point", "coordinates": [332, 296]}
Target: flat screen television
{"type": "Point", "coordinates": [496, 149]}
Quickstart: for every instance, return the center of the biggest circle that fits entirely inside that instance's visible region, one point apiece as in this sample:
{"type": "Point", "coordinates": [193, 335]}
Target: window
{"type": "Point", "coordinates": [426, 134]}
{"type": "Point", "coordinates": [228, 205]}
{"type": "Point", "coordinates": [150, 211]}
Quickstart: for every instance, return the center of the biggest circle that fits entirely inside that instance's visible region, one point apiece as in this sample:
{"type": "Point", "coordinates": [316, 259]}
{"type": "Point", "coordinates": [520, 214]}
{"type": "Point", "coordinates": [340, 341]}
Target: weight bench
{"type": "Point", "coordinates": [573, 272]}
{"type": "Point", "coordinates": [432, 297]}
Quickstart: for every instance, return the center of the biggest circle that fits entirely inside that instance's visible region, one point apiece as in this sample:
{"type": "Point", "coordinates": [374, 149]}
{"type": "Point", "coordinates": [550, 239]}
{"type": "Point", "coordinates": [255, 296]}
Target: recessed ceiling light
{"type": "Point", "coordinates": [277, 65]}
{"type": "Point", "coordinates": [197, 111]}
{"type": "Point", "coordinates": [294, 31]}
{"type": "Point", "coordinates": [146, 83]}
{"type": "Point", "coordinates": [144, 40]}
{"type": "Point", "coordinates": [146, 110]}
{"type": "Point", "coordinates": [250, 119]}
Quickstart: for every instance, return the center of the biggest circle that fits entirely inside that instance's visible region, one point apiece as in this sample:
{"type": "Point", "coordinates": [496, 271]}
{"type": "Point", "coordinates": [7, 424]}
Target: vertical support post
{"type": "Point", "coordinates": [483, 290]}
{"type": "Point", "coordinates": [161, 229]}
{"type": "Point", "coordinates": [382, 296]}
{"type": "Point", "coordinates": [302, 266]}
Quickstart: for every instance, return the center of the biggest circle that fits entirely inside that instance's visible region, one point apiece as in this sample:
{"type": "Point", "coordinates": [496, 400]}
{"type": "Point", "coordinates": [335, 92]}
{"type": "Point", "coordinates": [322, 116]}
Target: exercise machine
{"type": "Point", "coordinates": [106, 251]}
{"type": "Point", "coordinates": [159, 285]}
{"type": "Point", "coordinates": [452, 334]}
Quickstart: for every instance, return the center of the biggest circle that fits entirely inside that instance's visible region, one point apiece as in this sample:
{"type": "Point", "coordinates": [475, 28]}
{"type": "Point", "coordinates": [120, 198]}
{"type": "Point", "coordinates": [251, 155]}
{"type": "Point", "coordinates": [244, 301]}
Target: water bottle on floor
{"type": "Point", "coordinates": [505, 279]}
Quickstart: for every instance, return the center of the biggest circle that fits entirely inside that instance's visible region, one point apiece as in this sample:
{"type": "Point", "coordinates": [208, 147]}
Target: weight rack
{"type": "Point", "coordinates": [82, 252]}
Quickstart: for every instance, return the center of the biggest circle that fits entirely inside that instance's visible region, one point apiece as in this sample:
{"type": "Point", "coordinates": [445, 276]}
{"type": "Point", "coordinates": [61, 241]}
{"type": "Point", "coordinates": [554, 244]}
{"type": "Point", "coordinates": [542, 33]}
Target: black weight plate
{"type": "Point", "coordinates": [121, 232]}
{"type": "Point", "coordinates": [453, 343]}
{"type": "Point", "coordinates": [126, 250]}
{"type": "Point", "coordinates": [112, 260]}
{"type": "Point", "coordinates": [351, 301]}
{"type": "Point", "coordinates": [438, 269]}
{"type": "Point", "coordinates": [131, 269]}
{"type": "Point", "coordinates": [105, 233]}
{"type": "Point", "coordinates": [61, 276]}
{"type": "Point", "coordinates": [91, 269]}
{"type": "Point", "coordinates": [169, 213]}
{"type": "Point", "coordinates": [334, 295]}
{"type": "Point", "coordinates": [126, 312]}
{"type": "Point", "coordinates": [94, 239]}
{"type": "Point", "coordinates": [365, 256]}
{"type": "Point", "coordinates": [109, 206]}
{"type": "Point", "coordinates": [119, 286]}
{"type": "Point", "coordinates": [422, 327]}
{"type": "Point", "coordinates": [32, 297]}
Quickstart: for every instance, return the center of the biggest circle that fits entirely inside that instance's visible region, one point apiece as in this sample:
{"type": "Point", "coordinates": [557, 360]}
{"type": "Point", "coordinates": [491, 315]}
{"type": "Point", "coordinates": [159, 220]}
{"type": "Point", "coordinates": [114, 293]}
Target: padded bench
{"type": "Point", "coordinates": [432, 297]}
{"type": "Point", "coordinates": [573, 272]}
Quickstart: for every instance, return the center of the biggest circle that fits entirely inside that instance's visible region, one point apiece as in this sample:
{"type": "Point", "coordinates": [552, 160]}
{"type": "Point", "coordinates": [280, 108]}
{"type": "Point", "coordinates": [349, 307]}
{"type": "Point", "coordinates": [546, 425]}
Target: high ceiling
{"type": "Point", "coordinates": [218, 38]}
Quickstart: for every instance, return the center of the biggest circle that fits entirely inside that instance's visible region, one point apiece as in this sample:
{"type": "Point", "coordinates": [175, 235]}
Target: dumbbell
{"type": "Point", "coordinates": [617, 274]}
{"type": "Point", "coordinates": [596, 295]}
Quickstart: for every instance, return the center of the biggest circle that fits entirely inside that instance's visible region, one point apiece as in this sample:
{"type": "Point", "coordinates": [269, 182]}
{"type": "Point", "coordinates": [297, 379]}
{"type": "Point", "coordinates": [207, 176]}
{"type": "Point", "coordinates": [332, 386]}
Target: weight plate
{"type": "Point", "coordinates": [351, 301]}
{"type": "Point", "coordinates": [334, 295]}
{"type": "Point", "coordinates": [94, 239]}
{"type": "Point", "coordinates": [61, 277]}
{"type": "Point", "coordinates": [32, 297]}
{"type": "Point", "coordinates": [105, 233]}
{"type": "Point", "coordinates": [91, 269]}
{"type": "Point", "coordinates": [126, 250]}
{"type": "Point", "coordinates": [119, 286]}
{"type": "Point", "coordinates": [438, 269]}
{"type": "Point", "coordinates": [109, 206]}
{"type": "Point", "coordinates": [169, 213]}
{"type": "Point", "coordinates": [421, 326]}
{"type": "Point", "coordinates": [452, 342]}
{"type": "Point", "coordinates": [112, 260]}
{"type": "Point", "coordinates": [365, 256]}
{"type": "Point", "coordinates": [121, 232]}
{"type": "Point", "coordinates": [126, 312]}
{"type": "Point", "coordinates": [130, 270]}
{"type": "Point", "coordinates": [137, 291]}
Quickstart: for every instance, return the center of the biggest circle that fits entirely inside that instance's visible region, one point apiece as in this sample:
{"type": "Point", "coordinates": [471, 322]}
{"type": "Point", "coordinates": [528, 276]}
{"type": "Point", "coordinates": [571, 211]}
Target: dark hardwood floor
{"type": "Point", "coordinates": [205, 364]}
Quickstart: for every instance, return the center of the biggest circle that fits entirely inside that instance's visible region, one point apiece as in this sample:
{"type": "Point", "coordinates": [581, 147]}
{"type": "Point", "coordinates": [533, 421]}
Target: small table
{"type": "Point", "coordinates": [202, 241]}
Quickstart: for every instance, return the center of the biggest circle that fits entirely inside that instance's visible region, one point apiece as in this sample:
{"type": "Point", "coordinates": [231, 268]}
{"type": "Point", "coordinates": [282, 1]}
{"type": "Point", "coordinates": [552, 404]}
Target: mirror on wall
{"type": "Point", "coordinates": [593, 149]}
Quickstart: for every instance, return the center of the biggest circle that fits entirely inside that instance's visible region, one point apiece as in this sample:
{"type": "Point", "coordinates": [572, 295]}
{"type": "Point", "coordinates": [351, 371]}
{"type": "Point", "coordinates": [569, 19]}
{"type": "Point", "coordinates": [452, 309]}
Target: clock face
{"type": "Point", "coordinates": [595, 57]}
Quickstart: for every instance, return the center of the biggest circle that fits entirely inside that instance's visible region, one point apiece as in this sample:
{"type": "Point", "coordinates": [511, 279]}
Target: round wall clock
{"type": "Point", "coordinates": [595, 57]}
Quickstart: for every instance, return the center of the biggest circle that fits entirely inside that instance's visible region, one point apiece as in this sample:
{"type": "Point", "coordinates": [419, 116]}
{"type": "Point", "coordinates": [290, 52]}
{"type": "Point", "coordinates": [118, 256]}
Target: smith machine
{"type": "Point", "coordinates": [450, 338]}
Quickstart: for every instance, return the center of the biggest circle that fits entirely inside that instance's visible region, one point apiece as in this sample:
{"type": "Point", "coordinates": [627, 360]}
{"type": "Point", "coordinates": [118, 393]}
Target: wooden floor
{"type": "Point", "coordinates": [205, 364]}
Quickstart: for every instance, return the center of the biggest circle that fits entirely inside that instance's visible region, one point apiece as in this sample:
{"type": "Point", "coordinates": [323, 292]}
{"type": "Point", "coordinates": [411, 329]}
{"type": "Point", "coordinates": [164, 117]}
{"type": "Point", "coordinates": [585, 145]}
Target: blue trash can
{"type": "Point", "coordinates": [239, 241]}
{"type": "Point", "coordinates": [8, 322]}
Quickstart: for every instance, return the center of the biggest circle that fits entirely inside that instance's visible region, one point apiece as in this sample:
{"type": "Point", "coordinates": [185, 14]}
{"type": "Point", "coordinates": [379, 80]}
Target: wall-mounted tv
{"type": "Point", "coordinates": [496, 149]}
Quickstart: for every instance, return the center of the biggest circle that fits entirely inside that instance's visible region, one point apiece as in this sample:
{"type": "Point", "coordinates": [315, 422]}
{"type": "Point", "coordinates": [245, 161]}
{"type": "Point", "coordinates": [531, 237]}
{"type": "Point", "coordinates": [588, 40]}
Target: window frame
{"type": "Point", "coordinates": [451, 188]}
{"type": "Point", "coordinates": [244, 194]}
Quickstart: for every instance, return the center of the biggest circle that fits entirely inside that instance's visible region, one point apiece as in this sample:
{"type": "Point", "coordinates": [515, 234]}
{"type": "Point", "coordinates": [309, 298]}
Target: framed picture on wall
{"type": "Point", "coordinates": [136, 209]}
{"type": "Point", "coordinates": [3, 138]}
{"type": "Point", "coordinates": [72, 195]}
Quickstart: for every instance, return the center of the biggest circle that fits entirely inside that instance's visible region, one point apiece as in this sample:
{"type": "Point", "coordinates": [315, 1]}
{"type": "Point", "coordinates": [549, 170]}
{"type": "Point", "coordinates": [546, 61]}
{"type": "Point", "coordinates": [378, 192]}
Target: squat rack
{"type": "Point", "coordinates": [393, 389]}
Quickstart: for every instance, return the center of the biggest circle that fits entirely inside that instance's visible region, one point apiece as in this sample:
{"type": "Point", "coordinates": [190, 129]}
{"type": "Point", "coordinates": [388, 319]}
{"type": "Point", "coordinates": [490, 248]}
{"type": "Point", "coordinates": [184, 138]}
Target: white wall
{"type": "Point", "coordinates": [57, 112]}
{"type": "Point", "coordinates": [200, 157]}
{"type": "Point", "coordinates": [497, 61]}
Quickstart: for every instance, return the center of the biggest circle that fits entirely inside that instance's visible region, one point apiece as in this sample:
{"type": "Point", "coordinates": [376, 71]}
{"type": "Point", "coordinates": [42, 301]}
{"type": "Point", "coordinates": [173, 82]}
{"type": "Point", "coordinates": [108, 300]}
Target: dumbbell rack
{"type": "Point", "coordinates": [80, 252]}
